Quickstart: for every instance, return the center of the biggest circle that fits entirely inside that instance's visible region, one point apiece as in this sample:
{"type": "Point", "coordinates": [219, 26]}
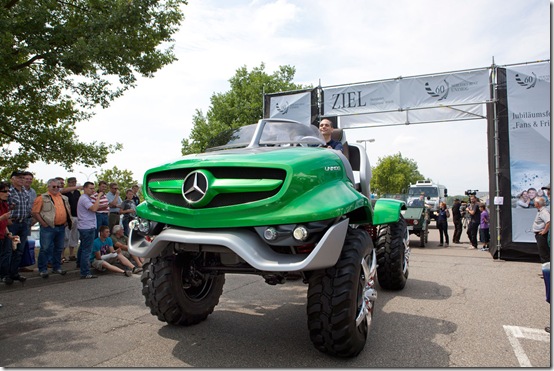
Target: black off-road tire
{"type": "Point", "coordinates": [392, 255]}
{"type": "Point", "coordinates": [169, 299]}
{"type": "Point", "coordinates": [334, 296]}
{"type": "Point", "coordinates": [422, 238]}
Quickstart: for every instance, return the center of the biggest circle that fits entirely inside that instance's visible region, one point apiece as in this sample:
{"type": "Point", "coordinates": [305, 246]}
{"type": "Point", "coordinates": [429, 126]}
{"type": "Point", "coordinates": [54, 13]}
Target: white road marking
{"type": "Point", "coordinates": [516, 332]}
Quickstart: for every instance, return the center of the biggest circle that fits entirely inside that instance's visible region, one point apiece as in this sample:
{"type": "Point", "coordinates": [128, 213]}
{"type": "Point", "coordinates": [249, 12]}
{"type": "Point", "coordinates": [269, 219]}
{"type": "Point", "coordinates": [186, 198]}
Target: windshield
{"type": "Point", "coordinates": [428, 191]}
{"type": "Point", "coordinates": [274, 133]}
{"type": "Point", "coordinates": [232, 138]}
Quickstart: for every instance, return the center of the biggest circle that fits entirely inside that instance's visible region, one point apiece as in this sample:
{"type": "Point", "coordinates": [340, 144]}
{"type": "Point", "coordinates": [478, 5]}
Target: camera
{"type": "Point", "coordinates": [470, 192]}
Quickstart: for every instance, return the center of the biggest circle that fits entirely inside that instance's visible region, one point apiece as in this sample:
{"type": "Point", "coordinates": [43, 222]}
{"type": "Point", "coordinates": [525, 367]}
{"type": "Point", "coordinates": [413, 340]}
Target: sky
{"type": "Point", "coordinates": [328, 42]}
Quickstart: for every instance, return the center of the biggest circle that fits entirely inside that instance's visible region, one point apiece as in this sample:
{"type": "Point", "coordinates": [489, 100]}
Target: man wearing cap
{"type": "Point", "coordinates": [20, 217]}
{"type": "Point", "coordinates": [52, 211]}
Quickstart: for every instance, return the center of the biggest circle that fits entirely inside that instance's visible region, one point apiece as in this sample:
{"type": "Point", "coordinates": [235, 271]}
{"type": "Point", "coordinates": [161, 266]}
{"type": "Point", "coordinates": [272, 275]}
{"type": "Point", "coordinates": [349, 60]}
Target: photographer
{"type": "Point", "coordinates": [475, 220]}
{"type": "Point", "coordinates": [457, 219]}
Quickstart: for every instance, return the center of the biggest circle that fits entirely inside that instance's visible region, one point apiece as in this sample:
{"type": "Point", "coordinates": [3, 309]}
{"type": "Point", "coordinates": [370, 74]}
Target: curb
{"type": "Point", "coordinates": [34, 280]}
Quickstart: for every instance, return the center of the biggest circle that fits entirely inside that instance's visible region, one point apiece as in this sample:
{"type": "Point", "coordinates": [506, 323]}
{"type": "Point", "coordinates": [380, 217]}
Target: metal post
{"type": "Point", "coordinates": [494, 81]}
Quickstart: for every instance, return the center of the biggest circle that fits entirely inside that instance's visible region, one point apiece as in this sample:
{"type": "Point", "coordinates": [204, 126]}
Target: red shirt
{"type": "Point", "coordinates": [4, 208]}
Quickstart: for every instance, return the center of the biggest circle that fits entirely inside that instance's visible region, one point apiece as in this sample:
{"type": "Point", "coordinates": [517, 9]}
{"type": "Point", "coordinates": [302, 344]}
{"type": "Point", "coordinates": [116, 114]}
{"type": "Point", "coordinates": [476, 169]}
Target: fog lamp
{"type": "Point", "coordinates": [270, 234]}
{"type": "Point", "coordinates": [300, 233]}
{"type": "Point", "coordinates": [144, 225]}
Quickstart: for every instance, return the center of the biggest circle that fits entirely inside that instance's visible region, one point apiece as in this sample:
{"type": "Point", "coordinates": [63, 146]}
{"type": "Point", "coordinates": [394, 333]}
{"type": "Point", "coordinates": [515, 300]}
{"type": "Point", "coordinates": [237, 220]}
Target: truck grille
{"type": "Point", "coordinates": [222, 199]}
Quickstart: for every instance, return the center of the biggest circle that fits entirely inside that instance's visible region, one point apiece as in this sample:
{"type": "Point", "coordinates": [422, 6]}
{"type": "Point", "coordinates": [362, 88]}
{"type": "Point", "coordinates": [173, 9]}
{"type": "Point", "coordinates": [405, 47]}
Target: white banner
{"type": "Point", "coordinates": [460, 88]}
{"type": "Point", "coordinates": [292, 107]}
{"type": "Point", "coordinates": [528, 90]}
{"type": "Point", "coordinates": [366, 98]}
{"type": "Point", "coordinates": [437, 114]}
{"type": "Point", "coordinates": [447, 89]}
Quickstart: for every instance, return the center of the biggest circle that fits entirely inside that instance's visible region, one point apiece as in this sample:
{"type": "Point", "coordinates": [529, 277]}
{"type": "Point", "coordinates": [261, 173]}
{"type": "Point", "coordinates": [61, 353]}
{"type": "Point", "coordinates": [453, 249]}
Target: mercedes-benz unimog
{"type": "Point", "coordinates": [270, 200]}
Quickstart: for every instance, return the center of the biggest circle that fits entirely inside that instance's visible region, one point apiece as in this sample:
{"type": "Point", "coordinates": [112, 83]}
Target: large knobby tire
{"type": "Point", "coordinates": [336, 299]}
{"type": "Point", "coordinates": [393, 254]}
{"type": "Point", "coordinates": [422, 238]}
{"type": "Point", "coordinates": [169, 294]}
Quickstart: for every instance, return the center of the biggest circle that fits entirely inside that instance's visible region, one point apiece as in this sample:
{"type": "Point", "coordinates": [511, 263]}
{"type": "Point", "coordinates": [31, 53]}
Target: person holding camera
{"type": "Point", "coordinates": [475, 220]}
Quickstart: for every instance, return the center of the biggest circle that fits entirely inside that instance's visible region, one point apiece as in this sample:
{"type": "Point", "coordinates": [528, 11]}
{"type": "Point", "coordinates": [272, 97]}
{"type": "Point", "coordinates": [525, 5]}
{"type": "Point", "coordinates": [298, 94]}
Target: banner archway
{"type": "Point", "coordinates": [517, 101]}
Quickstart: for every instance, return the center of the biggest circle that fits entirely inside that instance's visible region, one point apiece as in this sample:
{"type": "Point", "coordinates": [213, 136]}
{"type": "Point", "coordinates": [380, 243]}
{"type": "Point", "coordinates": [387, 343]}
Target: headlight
{"type": "Point", "coordinates": [300, 233]}
{"type": "Point", "coordinates": [143, 225]}
{"type": "Point", "coordinates": [270, 234]}
{"type": "Point", "coordinates": [416, 222]}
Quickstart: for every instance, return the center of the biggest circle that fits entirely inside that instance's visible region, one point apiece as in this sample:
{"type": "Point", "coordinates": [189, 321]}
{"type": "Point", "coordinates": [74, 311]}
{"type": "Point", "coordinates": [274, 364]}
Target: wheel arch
{"type": "Point", "coordinates": [387, 211]}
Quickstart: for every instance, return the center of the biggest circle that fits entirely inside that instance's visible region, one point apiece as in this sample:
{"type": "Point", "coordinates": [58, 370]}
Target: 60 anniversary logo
{"type": "Point", "coordinates": [527, 82]}
{"type": "Point", "coordinates": [440, 91]}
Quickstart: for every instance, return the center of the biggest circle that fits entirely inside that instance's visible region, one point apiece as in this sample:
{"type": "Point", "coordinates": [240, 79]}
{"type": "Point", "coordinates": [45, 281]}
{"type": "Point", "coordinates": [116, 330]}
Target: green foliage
{"type": "Point", "coordinates": [393, 174]}
{"type": "Point", "coordinates": [123, 178]}
{"type": "Point", "coordinates": [60, 59]}
{"type": "Point", "coordinates": [39, 186]}
{"type": "Point", "coordinates": [242, 105]}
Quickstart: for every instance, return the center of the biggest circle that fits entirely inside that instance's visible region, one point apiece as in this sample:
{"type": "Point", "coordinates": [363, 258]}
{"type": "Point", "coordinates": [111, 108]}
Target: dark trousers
{"type": "Point", "coordinates": [457, 230]}
{"type": "Point", "coordinates": [22, 230]}
{"type": "Point", "coordinates": [443, 231]}
{"type": "Point", "coordinates": [472, 230]}
{"type": "Point", "coordinates": [101, 219]}
{"type": "Point", "coordinates": [5, 256]}
{"type": "Point", "coordinates": [85, 248]}
{"type": "Point", "coordinates": [544, 249]}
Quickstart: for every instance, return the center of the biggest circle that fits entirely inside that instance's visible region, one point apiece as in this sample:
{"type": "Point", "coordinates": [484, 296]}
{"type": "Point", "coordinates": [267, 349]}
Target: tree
{"type": "Point", "coordinates": [123, 178]}
{"type": "Point", "coordinates": [242, 105]}
{"type": "Point", "coordinates": [393, 174]}
{"type": "Point", "coordinates": [60, 59]}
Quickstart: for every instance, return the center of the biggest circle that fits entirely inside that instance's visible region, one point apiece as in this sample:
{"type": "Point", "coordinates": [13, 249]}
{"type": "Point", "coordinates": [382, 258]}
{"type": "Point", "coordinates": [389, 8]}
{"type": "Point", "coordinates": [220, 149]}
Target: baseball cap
{"type": "Point", "coordinates": [17, 173]}
{"type": "Point", "coordinates": [546, 187]}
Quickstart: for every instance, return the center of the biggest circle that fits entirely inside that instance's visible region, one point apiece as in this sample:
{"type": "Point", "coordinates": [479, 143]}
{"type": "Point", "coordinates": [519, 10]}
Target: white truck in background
{"type": "Point", "coordinates": [434, 194]}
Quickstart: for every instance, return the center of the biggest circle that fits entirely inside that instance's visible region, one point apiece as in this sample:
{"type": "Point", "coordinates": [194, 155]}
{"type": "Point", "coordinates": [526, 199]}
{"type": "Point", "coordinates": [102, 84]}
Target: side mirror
{"type": "Point", "coordinates": [445, 192]}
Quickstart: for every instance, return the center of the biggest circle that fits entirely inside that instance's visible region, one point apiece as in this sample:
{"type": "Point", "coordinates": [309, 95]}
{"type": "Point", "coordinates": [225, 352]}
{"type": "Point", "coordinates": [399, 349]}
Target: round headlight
{"type": "Point", "coordinates": [300, 233]}
{"type": "Point", "coordinates": [144, 226]}
{"type": "Point", "coordinates": [133, 223]}
{"type": "Point", "coordinates": [416, 222]}
{"type": "Point", "coordinates": [270, 234]}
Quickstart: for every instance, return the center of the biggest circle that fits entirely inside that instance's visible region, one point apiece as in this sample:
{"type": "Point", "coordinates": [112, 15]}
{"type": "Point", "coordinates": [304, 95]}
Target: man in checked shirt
{"type": "Point", "coordinates": [20, 223]}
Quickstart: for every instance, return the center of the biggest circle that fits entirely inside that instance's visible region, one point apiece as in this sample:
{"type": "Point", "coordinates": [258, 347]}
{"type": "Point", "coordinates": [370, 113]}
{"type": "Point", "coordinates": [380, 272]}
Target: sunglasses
{"type": "Point", "coordinates": [4, 191]}
{"type": "Point", "coordinates": [56, 187]}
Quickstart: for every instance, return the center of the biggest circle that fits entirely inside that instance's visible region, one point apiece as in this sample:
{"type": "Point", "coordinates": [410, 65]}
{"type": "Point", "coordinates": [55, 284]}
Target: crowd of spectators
{"type": "Point", "coordinates": [92, 224]}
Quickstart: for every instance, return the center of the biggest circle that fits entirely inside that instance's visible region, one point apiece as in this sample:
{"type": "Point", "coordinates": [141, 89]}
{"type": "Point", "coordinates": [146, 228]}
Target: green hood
{"type": "Point", "coordinates": [251, 187]}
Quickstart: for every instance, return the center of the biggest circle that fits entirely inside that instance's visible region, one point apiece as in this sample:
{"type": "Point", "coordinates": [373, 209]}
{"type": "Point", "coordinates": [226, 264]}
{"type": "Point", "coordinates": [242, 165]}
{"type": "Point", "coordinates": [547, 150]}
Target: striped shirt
{"type": "Point", "coordinates": [102, 204]}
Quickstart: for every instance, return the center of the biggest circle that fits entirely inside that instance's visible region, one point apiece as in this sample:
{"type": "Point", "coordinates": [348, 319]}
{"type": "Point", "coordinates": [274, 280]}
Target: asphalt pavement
{"type": "Point", "coordinates": [460, 308]}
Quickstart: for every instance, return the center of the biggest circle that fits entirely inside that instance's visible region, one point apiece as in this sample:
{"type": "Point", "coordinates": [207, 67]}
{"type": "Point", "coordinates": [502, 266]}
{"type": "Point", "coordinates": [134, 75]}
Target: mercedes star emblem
{"type": "Point", "coordinates": [195, 187]}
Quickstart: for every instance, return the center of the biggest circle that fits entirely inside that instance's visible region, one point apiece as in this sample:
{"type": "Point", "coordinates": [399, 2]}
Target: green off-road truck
{"type": "Point", "coordinates": [270, 200]}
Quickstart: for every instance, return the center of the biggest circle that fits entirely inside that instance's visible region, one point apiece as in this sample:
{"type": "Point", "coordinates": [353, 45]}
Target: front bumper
{"type": "Point", "coordinates": [247, 245]}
